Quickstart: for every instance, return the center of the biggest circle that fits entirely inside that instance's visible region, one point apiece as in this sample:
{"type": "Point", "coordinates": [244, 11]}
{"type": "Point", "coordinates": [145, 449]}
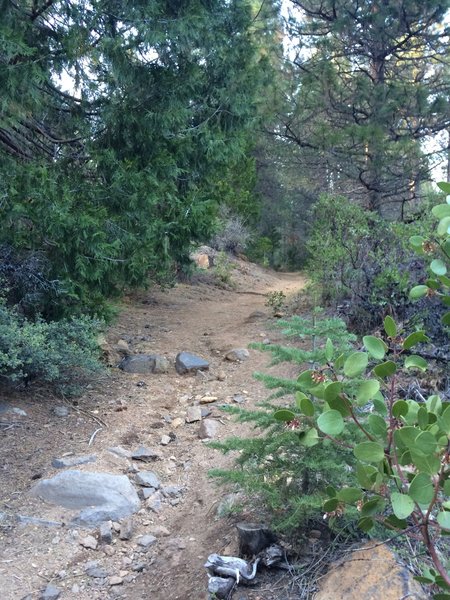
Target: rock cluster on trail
{"type": "Point", "coordinates": [101, 496]}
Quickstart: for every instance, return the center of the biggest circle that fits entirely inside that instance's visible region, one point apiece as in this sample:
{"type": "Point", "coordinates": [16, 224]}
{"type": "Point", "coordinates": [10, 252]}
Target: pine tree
{"type": "Point", "coordinates": [282, 470]}
{"type": "Point", "coordinates": [368, 87]}
{"type": "Point", "coordinates": [112, 180]}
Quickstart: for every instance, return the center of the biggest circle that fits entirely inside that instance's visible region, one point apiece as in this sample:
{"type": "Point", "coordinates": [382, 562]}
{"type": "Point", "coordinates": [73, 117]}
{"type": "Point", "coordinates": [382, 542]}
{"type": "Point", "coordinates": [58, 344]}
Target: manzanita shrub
{"type": "Point", "coordinates": [401, 447]}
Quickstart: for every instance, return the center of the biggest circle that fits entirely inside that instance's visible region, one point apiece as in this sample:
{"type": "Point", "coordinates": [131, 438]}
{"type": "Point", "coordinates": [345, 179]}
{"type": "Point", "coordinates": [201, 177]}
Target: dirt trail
{"type": "Point", "coordinates": [138, 410]}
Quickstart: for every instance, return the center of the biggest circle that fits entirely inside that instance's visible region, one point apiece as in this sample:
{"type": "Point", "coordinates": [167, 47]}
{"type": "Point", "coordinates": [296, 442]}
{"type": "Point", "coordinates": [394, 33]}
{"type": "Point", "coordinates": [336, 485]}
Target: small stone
{"type": "Point", "coordinates": [119, 451]}
{"type": "Point", "coordinates": [148, 479]}
{"type": "Point", "coordinates": [89, 542]}
{"type": "Point", "coordinates": [50, 593]}
{"type": "Point", "coordinates": [146, 541]}
{"type": "Point", "coordinates": [105, 532]}
{"type": "Point", "coordinates": [177, 422]}
{"type": "Point", "coordinates": [145, 454]}
{"type": "Point", "coordinates": [220, 587]}
{"type": "Point", "coordinates": [186, 362]}
{"type": "Point", "coordinates": [138, 567]}
{"type": "Point", "coordinates": [126, 529]}
{"type": "Point", "coordinates": [208, 429]}
{"type": "Point", "coordinates": [237, 355]}
{"type": "Point", "coordinates": [238, 398]}
{"type": "Point", "coordinates": [123, 346]}
{"type": "Point", "coordinates": [18, 411]}
{"type": "Point", "coordinates": [61, 411]}
{"type": "Point", "coordinates": [72, 461]}
{"type": "Point", "coordinates": [75, 588]}
{"type": "Point", "coordinates": [109, 550]}
{"type": "Point", "coordinates": [172, 491]}
{"type": "Point", "coordinates": [154, 503]}
{"type": "Point", "coordinates": [159, 531]}
{"type": "Point", "coordinates": [147, 492]}
{"type": "Point", "coordinates": [165, 440]}
{"type": "Point", "coordinates": [221, 376]}
{"type": "Point", "coordinates": [93, 569]}
{"type": "Point", "coordinates": [115, 580]}
{"type": "Point", "coordinates": [162, 365]}
{"type": "Point", "coordinates": [208, 399]}
{"type": "Point", "coordinates": [205, 412]}
{"type": "Point", "coordinates": [193, 414]}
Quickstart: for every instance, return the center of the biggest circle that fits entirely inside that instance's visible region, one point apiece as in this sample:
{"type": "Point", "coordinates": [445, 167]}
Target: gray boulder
{"type": "Point", "coordinates": [139, 363]}
{"type": "Point", "coordinates": [144, 364]}
{"type": "Point", "coordinates": [186, 362]}
{"type": "Point", "coordinates": [100, 496]}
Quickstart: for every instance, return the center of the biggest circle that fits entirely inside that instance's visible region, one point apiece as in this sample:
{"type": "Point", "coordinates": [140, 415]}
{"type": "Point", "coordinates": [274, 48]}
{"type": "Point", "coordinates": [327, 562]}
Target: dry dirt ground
{"type": "Point", "coordinates": [132, 410]}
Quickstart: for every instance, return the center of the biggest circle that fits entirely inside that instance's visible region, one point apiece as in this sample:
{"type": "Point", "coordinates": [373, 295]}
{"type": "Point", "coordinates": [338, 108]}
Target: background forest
{"type": "Point", "coordinates": [306, 134]}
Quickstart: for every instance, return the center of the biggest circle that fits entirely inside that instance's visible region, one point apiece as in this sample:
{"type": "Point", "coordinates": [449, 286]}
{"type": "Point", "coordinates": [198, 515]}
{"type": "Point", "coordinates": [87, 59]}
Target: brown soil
{"type": "Point", "coordinates": [132, 410]}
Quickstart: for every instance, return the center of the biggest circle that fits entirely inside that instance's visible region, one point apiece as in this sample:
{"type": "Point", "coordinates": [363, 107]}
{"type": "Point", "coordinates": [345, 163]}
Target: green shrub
{"type": "Point", "coordinates": [63, 354]}
{"type": "Point", "coordinates": [362, 262]}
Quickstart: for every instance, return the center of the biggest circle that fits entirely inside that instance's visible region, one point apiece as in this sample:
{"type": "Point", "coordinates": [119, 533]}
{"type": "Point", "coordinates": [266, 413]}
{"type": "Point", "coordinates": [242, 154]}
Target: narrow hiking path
{"type": "Point", "coordinates": [132, 410]}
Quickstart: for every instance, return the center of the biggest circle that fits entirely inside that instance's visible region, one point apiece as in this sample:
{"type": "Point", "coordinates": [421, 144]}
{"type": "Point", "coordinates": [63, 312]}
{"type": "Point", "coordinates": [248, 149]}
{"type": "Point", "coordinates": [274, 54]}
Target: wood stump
{"type": "Point", "coordinates": [253, 538]}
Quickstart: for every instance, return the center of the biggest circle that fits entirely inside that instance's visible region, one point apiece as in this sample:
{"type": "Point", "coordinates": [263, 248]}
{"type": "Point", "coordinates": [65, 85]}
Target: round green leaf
{"type": "Point", "coordinates": [444, 421]}
{"type": "Point", "coordinates": [434, 404]}
{"type": "Point", "coordinates": [374, 346]}
{"type": "Point", "coordinates": [305, 379]}
{"type": "Point", "coordinates": [425, 443]}
{"type": "Point", "coordinates": [385, 369]}
{"type": "Point", "coordinates": [438, 266]}
{"type": "Point", "coordinates": [333, 390]}
{"type": "Point", "coordinates": [416, 241]}
{"type": "Point", "coordinates": [390, 327]}
{"type": "Point", "coordinates": [372, 506]}
{"type": "Point", "coordinates": [441, 211]}
{"type": "Point", "coordinates": [425, 464]}
{"type": "Point", "coordinates": [355, 364]}
{"type": "Point", "coordinates": [402, 505]}
{"type": "Point", "coordinates": [377, 425]}
{"type": "Point", "coordinates": [349, 495]}
{"type": "Point", "coordinates": [418, 291]}
{"type": "Point", "coordinates": [406, 437]}
{"type": "Point", "coordinates": [331, 422]}
{"type": "Point", "coordinates": [309, 438]}
{"type": "Point", "coordinates": [298, 398]}
{"type": "Point", "coordinates": [329, 350]}
{"type": "Point", "coordinates": [367, 391]}
{"type": "Point", "coordinates": [444, 226]}
{"type": "Point", "coordinates": [330, 505]}
{"type": "Point", "coordinates": [307, 407]}
{"type": "Point", "coordinates": [415, 338]}
{"type": "Point", "coordinates": [444, 186]}
{"type": "Point", "coordinates": [415, 362]}
{"type": "Point", "coordinates": [400, 408]}
{"type": "Point", "coordinates": [443, 519]}
{"type": "Point", "coordinates": [366, 524]}
{"type": "Point", "coordinates": [421, 489]}
{"type": "Point", "coordinates": [370, 452]}
{"type": "Point", "coordinates": [284, 415]}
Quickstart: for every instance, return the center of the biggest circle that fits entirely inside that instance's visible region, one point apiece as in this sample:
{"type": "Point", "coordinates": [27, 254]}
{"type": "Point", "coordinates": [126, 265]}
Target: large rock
{"type": "Point", "coordinates": [190, 363]}
{"type": "Point", "coordinates": [370, 574]}
{"type": "Point", "coordinates": [145, 364]}
{"type": "Point", "coordinates": [101, 496]}
{"type": "Point", "coordinates": [139, 363]}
